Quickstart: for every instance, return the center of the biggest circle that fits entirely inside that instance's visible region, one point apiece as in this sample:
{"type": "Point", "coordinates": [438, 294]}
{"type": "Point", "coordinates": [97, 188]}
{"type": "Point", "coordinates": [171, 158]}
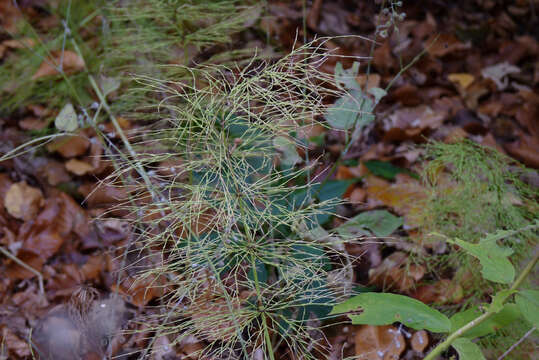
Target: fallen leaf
{"type": "Point", "coordinates": [379, 343]}
{"type": "Point", "coordinates": [499, 72]}
{"type": "Point", "coordinates": [396, 272]}
{"type": "Point", "coordinates": [357, 195]}
{"type": "Point", "coordinates": [102, 194]}
{"type": "Point", "coordinates": [215, 316]}
{"type": "Point", "coordinates": [420, 340]}
{"type": "Point", "coordinates": [66, 120]}
{"type": "Point", "coordinates": [23, 201]}
{"type": "Point", "coordinates": [54, 171]}
{"type": "Point", "coordinates": [32, 123]}
{"type": "Point", "coordinates": [47, 232]}
{"type": "Point", "coordinates": [19, 43]}
{"type": "Point", "coordinates": [462, 79]}
{"type": "Point", "coordinates": [78, 167]}
{"type": "Point", "coordinates": [14, 344]}
{"type": "Point", "coordinates": [405, 197]}
{"type": "Point", "coordinates": [411, 122]}
{"type": "Point", "coordinates": [70, 146]}
{"type": "Point", "coordinates": [407, 95]}
{"type": "Point", "coordinates": [66, 60]}
{"type": "Point", "coordinates": [444, 291]}
{"type": "Point", "coordinates": [140, 291]}
{"type": "Point", "coordinates": [445, 44]}
{"type": "Point", "coordinates": [368, 82]}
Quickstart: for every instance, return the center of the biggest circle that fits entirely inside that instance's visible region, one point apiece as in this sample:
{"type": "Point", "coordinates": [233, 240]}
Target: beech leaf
{"type": "Point", "coordinates": [67, 119]}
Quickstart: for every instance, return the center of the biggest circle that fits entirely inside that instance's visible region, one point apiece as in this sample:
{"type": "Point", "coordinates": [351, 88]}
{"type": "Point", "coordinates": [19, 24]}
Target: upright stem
{"type": "Point", "coordinates": [482, 318]}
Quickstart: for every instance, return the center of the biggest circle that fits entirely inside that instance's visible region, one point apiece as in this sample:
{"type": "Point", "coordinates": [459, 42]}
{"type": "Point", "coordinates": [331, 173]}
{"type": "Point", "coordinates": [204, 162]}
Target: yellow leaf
{"type": "Point", "coordinates": [462, 79]}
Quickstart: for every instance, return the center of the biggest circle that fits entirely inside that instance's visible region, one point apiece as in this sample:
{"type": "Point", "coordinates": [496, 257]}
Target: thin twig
{"type": "Point", "coordinates": [517, 343]}
{"type": "Point", "coordinates": [27, 267]}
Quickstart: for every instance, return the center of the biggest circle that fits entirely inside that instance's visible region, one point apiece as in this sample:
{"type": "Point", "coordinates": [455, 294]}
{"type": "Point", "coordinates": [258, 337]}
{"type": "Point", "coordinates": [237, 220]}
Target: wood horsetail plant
{"type": "Point", "coordinates": [222, 224]}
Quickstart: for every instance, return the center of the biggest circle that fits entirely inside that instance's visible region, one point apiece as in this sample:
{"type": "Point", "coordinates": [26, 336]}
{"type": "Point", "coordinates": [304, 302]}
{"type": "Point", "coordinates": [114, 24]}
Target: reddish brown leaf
{"type": "Point", "coordinates": [525, 150]}
{"type": "Point", "coordinates": [420, 340]}
{"type": "Point", "coordinates": [46, 234]}
{"type": "Point", "coordinates": [70, 146]}
{"type": "Point", "coordinates": [32, 123]}
{"type": "Point", "coordinates": [442, 292]}
{"type": "Point", "coordinates": [445, 44]}
{"type": "Point", "coordinates": [102, 194]}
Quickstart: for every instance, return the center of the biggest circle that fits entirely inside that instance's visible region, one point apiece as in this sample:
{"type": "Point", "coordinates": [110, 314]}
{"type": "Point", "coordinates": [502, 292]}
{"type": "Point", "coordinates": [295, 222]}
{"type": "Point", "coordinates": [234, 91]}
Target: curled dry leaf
{"type": "Point", "coordinates": [442, 292]}
{"type": "Point", "coordinates": [54, 171]}
{"type": "Point", "coordinates": [23, 201]}
{"type": "Point", "coordinates": [379, 343]}
{"type": "Point", "coordinates": [139, 292]}
{"type": "Point", "coordinates": [395, 272]}
{"type": "Point", "coordinates": [66, 60]}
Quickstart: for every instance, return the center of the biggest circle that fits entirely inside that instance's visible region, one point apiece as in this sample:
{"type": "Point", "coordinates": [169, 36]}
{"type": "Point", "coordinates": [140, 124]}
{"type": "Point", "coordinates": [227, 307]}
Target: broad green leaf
{"type": "Point", "coordinates": [497, 300]}
{"type": "Point", "coordinates": [344, 113]}
{"type": "Point", "coordinates": [467, 349]}
{"type": "Point", "coordinates": [386, 170]}
{"type": "Point", "coordinates": [332, 189]}
{"type": "Point", "coordinates": [261, 272]}
{"type": "Point", "coordinates": [493, 258]}
{"type": "Point", "coordinates": [528, 303]}
{"type": "Point", "coordinates": [288, 149]}
{"type": "Point", "coordinates": [385, 309]}
{"type": "Point", "coordinates": [378, 94]}
{"type": "Point", "coordinates": [504, 317]}
{"type": "Point", "coordinates": [67, 119]}
{"type": "Point", "coordinates": [347, 78]}
{"type": "Point", "coordinates": [380, 222]}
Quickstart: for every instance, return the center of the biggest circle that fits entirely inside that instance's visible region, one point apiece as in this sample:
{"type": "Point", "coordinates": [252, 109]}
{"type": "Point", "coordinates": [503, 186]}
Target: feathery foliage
{"type": "Point", "coordinates": [229, 225]}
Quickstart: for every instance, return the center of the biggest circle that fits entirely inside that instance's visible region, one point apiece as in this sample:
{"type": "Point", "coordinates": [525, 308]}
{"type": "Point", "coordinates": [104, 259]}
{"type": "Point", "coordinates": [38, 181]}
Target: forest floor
{"type": "Point", "coordinates": [461, 70]}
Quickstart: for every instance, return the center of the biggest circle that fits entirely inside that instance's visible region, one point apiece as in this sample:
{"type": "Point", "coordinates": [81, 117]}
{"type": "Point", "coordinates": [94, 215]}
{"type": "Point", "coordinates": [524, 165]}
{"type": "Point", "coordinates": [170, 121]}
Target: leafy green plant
{"type": "Point", "coordinates": [232, 227]}
{"type": "Point", "coordinates": [473, 191]}
{"type": "Point", "coordinates": [384, 309]}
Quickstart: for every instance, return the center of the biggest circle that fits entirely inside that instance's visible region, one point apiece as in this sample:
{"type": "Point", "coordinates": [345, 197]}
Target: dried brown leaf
{"type": "Point", "coordinates": [420, 340]}
{"type": "Point", "coordinates": [379, 343]}
{"type": "Point", "coordinates": [23, 201]}
{"type": "Point", "coordinates": [70, 146]}
{"type": "Point", "coordinates": [78, 167]}
{"type": "Point", "coordinates": [67, 60]}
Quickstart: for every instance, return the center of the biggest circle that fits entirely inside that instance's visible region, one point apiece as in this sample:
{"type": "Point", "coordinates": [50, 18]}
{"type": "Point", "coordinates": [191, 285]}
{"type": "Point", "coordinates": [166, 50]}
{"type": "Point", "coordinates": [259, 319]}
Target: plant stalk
{"type": "Point", "coordinates": [447, 342]}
